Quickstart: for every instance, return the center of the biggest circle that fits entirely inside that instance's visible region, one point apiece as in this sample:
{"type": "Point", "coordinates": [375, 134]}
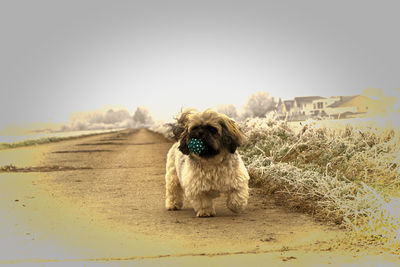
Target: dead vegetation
{"type": "Point", "coordinates": [347, 175]}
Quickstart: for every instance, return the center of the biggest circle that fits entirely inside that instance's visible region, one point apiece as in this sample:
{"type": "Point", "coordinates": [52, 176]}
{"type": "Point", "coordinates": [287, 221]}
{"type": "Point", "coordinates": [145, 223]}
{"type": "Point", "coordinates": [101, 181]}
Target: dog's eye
{"type": "Point", "coordinates": [211, 129]}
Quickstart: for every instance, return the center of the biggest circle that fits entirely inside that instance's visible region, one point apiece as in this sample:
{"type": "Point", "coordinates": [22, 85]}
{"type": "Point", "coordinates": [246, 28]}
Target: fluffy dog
{"type": "Point", "coordinates": [202, 176]}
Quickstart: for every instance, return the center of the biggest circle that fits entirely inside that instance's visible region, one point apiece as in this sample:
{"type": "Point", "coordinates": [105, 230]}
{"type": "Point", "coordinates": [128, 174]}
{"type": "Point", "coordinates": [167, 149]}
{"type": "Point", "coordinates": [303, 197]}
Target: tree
{"type": "Point", "coordinates": [259, 104]}
{"type": "Point", "coordinates": [229, 110]}
{"type": "Point", "coordinates": [112, 117]}
{"type": "Point", "coordinates": [142, 117]}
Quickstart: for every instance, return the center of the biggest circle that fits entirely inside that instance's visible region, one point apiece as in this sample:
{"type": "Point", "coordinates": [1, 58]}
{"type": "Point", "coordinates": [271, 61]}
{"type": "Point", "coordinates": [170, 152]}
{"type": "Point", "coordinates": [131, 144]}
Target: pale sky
{"type": "Point", "coordinates": [58, 57]}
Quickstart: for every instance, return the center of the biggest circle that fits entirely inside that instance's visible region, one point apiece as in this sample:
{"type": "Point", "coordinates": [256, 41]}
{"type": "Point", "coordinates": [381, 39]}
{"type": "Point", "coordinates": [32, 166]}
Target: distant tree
{"type": "Point", "coordinates": [112, 117]}
{"type": "Point", "coordinates": [142, 117]}
{"type": "Point", "coordinates": [229, 110]}
{"type": "Point", "coordinates": [259, 104]}
{"type": "Point", "coordinates": [99, 119]}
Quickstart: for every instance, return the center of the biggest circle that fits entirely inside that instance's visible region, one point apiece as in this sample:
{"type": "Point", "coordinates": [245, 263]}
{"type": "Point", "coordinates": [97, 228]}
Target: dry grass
{"type": "Point", "coordinates": [347, 175]}
{"type": "Point", "coordinates": [163, 128]}
{"type": "Point", "coordinates": [360, 154]}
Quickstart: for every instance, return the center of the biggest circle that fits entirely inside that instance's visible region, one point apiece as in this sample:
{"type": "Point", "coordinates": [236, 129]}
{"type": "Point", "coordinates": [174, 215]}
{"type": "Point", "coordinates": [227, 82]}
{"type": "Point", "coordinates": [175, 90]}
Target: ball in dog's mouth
{"type": "Point", "coordinates": [196, 146]}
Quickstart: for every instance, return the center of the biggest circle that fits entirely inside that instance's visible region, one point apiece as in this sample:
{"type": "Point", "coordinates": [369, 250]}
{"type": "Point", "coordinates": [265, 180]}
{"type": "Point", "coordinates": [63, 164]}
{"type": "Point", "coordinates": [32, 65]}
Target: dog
{"type": "Point", "coordinates": [218, 168]}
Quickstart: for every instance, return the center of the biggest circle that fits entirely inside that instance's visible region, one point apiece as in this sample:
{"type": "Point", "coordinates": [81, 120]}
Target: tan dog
{"type": "Point", "coordinates": [201, 177]}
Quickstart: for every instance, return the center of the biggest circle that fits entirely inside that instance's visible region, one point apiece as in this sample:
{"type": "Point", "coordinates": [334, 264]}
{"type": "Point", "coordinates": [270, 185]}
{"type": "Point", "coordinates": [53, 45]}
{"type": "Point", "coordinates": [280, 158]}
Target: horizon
{"type": "Point", "coordinates": [87, 115]}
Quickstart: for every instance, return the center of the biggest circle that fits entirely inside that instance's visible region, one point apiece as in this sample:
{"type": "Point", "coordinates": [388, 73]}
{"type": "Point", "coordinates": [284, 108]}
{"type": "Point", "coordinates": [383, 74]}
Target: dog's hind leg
{"type": "Point", "coordinates": [173, 189]}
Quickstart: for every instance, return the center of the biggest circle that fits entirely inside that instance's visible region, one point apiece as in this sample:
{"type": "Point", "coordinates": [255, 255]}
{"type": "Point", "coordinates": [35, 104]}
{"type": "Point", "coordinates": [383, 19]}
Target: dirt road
{"type": "Point", "coordinates": [100, 199]}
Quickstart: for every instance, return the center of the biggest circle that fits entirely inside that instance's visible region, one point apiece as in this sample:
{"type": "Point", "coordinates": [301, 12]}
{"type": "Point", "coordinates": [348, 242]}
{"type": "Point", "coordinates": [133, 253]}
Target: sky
{"type": "Point", "coordinates": [60, 57]}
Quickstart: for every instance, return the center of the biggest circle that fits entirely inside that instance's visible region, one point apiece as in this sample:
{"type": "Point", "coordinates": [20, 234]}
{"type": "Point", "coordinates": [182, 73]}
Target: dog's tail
{"type": "Point", "coordinates": [181, 120]}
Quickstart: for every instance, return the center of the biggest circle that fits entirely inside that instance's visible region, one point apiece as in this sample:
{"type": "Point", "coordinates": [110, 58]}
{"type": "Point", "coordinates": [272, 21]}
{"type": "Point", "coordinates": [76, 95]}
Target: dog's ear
{"type": "Point", "coordinates": [232, 137]}
{"type": "Point", "coordinates": [180, 130]}
{"type": "Point", "coordinates": [183, 145]}
{"type": "Point", "coordinates": [177, 130]}
{"type": "Point", "coordinates": [181, 123]}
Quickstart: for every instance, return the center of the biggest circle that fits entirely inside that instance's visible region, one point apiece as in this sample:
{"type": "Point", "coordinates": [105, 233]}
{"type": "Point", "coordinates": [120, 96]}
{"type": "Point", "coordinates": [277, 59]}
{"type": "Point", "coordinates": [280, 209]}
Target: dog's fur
{"type": "Point", "coordinates": [217, 169]}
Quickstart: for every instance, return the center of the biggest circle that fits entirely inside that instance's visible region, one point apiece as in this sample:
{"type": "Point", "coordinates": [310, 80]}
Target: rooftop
{"type": "Point", "coordinates": [343, 99]}
{"type": "Point", "coordinates": [307, 99]}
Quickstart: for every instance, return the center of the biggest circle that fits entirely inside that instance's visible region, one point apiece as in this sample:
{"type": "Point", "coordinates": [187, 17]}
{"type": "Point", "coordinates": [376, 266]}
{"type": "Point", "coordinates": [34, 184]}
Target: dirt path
{"type": "Point", "coordinates": [101, 198]}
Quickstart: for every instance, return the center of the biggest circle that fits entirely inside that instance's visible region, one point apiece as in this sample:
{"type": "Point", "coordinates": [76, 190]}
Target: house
{"type": "Point", "coordinates": [288, 106]}
{"type": "Point", "coordinates": [353, 106]}
{"type": "Point", "coordinates": [301, 108]}
{"type": "Point", "coordinates": [279, 106]}
{"type": "Point", "coordinates": [284, 108]}
{"type": "Point", "coordinates": [319, 106]}
{"type": "Point", "coordinates": [304, 105]}
{"type": "Point", "coordinates": [340, 106]}
{"type": "Point", "coordinates": [297, 109]}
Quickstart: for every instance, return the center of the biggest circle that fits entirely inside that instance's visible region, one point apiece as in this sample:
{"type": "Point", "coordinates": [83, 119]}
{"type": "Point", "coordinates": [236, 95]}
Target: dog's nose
{"type": "Point", "coordinates": [200, 133]}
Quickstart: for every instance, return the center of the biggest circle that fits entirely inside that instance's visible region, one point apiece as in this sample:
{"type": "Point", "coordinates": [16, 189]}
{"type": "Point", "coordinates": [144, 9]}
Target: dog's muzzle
{"type": "Point", "coordinates": [196, 146]}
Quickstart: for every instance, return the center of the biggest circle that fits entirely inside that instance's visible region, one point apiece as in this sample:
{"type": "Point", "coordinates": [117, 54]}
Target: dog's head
{"type": "Point", "coordinates": [217, 131]}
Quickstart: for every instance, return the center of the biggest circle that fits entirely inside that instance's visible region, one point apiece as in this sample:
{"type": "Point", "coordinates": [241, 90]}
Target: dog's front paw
{"type": "Point", "coordinates": [237, 202]}
{"type": "Point", "coordinates": [171, 205]}
{"type": "Point", "coordinates": [206, 213]}
{"type": "Point", "coordinates": [236, 207]}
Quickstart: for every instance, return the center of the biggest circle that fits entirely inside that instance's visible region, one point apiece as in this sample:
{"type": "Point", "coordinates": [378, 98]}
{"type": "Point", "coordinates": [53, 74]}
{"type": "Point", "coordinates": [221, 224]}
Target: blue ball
{"type": "Point", "coordinates": [196, 146]}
